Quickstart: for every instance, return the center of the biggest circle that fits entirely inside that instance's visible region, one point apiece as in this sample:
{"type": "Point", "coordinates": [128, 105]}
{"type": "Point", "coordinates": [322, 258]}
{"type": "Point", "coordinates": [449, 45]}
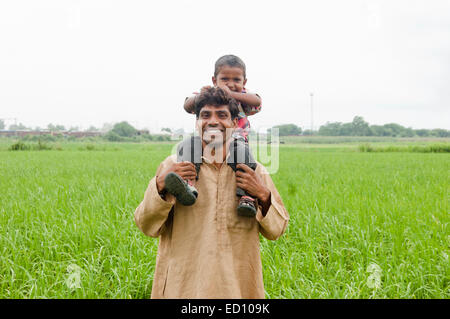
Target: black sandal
{"type": "Point", "coordinates": [246, 207]}
{"type": "Point", "coordinates": [184, 193]}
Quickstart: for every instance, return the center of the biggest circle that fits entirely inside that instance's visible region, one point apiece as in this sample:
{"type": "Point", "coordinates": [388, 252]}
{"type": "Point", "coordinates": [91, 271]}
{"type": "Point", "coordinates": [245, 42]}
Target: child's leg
{"type": "Point", "coordinates": [188, 150]}
{"type": "Point", "coordinates": [240, 153]}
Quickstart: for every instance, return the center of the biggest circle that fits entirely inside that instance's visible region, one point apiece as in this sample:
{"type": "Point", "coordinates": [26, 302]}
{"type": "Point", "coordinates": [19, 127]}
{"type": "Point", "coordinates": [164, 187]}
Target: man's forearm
{"type": "Point", "coordinates": [152, 212]}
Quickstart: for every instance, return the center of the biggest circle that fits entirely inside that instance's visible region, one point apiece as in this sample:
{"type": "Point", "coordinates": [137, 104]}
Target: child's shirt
{"type": "Point", "coordinates": [243, 123]}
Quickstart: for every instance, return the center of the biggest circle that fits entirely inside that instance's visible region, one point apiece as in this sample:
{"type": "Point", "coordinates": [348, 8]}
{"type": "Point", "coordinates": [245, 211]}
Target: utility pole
{"type": "Point", "coordinates": [312, 114]}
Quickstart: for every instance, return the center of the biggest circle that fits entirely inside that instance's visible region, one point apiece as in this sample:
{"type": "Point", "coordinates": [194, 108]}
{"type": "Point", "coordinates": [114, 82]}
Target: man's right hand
{"type": "Point", "coordinates": [186, 170]}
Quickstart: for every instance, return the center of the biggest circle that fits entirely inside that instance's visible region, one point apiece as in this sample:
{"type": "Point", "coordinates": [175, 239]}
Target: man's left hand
{"type": "Point", "coordinates": [252, 184]}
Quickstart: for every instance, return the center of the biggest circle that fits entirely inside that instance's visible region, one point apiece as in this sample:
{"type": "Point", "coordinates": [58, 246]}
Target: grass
{"type": "Point", "coordinates": [348, 210]}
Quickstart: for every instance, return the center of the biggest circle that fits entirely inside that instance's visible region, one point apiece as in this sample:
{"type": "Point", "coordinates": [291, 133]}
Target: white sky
{"type": "Point", "coordinates": [81, 63]}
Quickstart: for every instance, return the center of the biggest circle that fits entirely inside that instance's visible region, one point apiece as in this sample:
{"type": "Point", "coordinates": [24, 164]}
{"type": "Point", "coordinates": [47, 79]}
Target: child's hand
{"type": "Point", "coordinates": [204, 88]}
{"type": "Point", "coordinates": [226, 89]}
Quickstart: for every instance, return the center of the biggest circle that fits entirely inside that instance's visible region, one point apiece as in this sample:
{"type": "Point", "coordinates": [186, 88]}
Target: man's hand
{"type": "Point", "coordinates": [252, 184]}
{"type": "Point", "coordinates": [185, 170]}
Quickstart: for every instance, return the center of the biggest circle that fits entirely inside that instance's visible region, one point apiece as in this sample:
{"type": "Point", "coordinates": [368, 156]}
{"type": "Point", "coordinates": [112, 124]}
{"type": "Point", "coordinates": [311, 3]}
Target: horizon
{"type": "Point", "coordinates": [174, 129]}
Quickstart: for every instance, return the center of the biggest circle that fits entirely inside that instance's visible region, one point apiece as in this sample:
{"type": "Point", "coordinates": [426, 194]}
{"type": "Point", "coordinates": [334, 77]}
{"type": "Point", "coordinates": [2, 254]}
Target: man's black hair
{"type": "Point", "coordinates": [231, 61]}
{"type": "Point", "coordinates": [216, 96]}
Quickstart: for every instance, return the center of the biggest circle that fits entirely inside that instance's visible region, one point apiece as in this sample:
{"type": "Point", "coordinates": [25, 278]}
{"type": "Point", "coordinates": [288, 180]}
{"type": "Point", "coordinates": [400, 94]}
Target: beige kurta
{"type": "Point", "coordinates": [206, 250]}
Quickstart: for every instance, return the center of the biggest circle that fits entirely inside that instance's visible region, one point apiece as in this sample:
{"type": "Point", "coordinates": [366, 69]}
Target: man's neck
{"type": "Point", "coordinates": [215, 154]}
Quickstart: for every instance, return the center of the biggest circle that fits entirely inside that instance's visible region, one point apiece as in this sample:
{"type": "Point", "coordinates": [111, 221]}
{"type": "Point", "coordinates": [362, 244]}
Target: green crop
{"type": "Point", "coordinates": [362, 225]}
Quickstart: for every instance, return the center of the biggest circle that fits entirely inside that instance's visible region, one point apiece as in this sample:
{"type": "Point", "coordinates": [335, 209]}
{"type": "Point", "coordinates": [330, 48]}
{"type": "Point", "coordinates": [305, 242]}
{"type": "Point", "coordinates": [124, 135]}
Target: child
{"type": "Point", "coordinates": [230, 75]}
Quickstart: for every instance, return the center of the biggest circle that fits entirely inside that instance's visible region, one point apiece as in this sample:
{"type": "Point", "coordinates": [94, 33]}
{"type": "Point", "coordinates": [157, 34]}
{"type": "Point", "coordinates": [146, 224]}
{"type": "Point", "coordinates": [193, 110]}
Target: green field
{"type": "Point", "coordinates": [363, 225]}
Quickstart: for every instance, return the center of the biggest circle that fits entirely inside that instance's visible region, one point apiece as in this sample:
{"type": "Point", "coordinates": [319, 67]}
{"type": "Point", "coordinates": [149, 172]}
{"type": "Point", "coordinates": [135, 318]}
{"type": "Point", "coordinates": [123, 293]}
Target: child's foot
{"type": "Point", "coordinates": [184, 192]}
{"type": "Point", "coordinates": [246, 206]}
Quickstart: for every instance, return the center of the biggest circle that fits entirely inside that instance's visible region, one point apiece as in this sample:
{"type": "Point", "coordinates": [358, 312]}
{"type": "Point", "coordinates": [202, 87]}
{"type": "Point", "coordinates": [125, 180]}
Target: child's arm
{"type": "Point", "coordinates": [189, 102]}
{"type": "Point", "coordinates": [250, 99]}
{"type": "Point", "coordinates": [250, 102]}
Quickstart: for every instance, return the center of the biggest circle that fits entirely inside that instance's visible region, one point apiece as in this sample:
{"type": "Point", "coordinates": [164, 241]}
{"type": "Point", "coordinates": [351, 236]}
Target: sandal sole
{"type": "Point", "coordinates": [246, 211]}
{"type": "Point", "coordinates": [178, 188]}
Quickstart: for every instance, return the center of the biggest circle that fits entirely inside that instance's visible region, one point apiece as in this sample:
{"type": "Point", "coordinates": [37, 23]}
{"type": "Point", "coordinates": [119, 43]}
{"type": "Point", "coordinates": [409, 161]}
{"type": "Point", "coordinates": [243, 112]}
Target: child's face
{"type": "Point", "coordinates": [231, 77]}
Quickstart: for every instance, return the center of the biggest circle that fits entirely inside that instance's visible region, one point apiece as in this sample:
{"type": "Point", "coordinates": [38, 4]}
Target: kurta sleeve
{"type": "Point", "coordinates": [152, 212]}
{"type": "Point", "coordinates": [274, 224]}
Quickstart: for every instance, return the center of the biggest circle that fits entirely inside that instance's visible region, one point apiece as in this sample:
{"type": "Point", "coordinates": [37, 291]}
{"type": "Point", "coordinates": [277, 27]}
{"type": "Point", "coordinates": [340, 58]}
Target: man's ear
{"type": "Point", "coordinates": [214, 81]}
{"type": "Point", "coordinates": [245, 82]}
{"type": "Point", "coordinates": [235, 122]}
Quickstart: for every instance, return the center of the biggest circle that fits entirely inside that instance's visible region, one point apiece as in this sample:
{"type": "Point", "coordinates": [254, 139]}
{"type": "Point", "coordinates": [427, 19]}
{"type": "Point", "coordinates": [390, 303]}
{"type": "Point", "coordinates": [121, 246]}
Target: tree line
{"type": "Point", "coordinates": [359, 127]}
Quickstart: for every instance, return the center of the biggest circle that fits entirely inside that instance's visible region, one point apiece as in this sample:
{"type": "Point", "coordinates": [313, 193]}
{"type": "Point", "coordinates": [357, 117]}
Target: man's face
{"type": "Point", "coordinates": [232, 77]}
{"type": "Point", "coordinates": [215, 124]}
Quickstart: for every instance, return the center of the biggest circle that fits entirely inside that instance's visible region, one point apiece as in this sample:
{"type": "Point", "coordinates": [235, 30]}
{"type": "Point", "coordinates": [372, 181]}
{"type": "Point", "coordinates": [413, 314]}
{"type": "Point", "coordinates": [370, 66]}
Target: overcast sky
{"type": "Point", "coordinates": [81, 63]}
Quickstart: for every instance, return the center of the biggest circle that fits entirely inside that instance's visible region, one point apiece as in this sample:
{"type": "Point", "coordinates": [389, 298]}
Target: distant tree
{"type": "Point", "coordinates": [393, 129]}
{"type": "Point", "coordinates": [438, 132]}
{"type": "Point", "coordinates": [17, 127]}
{"type": "Point", "coordinates": [288, 129]}
{"type": "Point", "coordinates": [423, 132]}
{"type": "Point", "coordinates": [2, 125]}
{"type": "Point", "coordinates": [92, 129]}
{"type": "Point", "coordinates": [308, 132]}
{"type": "Point", "coordinates": [346, 129]}
{"type": "Point", "coordinates": [56, 127]}
{"type": "Point", "coordinates": [376, 130]}
{"type": "Point", "coordinates": [74, 129]}
{"type": "Point", "coordinates": [407, 132]}
{"type": "Point", "coordinates": [113, 137]}
{"type": "Point", "coordinates": [330, 129]}
{"type": "Point", "coordinates": [360, 127]}
{"type": "Point", "coordinates": [124, 129]}
{"type": "Point", "coordinates": [166, 129]}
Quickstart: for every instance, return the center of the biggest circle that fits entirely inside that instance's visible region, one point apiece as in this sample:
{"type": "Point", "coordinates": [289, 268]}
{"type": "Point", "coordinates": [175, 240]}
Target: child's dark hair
{"type": "Point", "coordinates": [230, 60]}
{"type": "Point", "coordinates": [216, 96]}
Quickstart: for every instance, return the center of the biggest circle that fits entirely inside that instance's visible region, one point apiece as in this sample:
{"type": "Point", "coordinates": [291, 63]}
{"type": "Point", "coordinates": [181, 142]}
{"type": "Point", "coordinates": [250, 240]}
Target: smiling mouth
{"type": "Point", "coordinates": [212, 130]}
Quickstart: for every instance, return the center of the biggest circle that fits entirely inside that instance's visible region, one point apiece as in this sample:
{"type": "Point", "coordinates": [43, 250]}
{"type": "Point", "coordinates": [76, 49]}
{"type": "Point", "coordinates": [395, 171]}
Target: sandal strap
{"type": "Point", "coordinates": [247, 200]}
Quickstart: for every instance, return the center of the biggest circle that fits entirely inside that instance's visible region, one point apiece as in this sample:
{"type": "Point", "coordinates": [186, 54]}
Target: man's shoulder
{"type": "Point", "coordinates": [169, 160]}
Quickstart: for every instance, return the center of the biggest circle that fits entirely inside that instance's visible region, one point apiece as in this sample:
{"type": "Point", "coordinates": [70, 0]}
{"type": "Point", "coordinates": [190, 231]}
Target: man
{"type": "Point", "coordinates": [207, 250]}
